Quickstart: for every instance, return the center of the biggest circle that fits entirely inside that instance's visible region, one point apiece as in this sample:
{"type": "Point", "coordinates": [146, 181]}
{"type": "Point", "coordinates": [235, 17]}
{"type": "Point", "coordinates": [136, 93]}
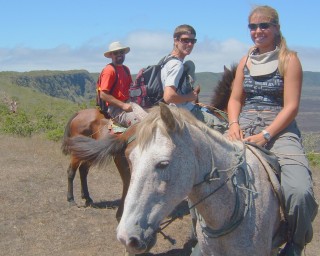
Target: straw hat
{"type": "Point", "coordinates": [116, 46]}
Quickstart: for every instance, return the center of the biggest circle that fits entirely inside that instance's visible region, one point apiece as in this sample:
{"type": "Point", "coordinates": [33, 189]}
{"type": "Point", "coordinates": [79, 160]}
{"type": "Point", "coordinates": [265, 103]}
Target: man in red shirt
{"type": "Point", "coordinates": [113, 86]}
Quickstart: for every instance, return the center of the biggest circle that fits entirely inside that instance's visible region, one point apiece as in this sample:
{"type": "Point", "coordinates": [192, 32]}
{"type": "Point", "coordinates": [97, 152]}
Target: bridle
{"type": "Point", "coordinates": [237, 216]}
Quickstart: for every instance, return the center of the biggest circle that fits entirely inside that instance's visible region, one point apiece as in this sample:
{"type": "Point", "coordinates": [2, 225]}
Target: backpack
{"type": "Point", "coordinates": [147, 89]}
{"type": "Point", "coordinates": [100, 102]}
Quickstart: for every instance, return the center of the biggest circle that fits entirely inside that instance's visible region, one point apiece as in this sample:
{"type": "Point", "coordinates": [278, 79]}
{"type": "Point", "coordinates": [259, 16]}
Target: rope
{"type": "Point", "coordinates": [284, 154]}
{"type": "Point", "coordinates": [236, 217]}
{"type": "Point", "coordinates": [97, 131]}
{"type": "Point", "coordinates": [103, 126]}
{"type": "Point", "coordinates": [166, 224]}
{"type": "Point", "coordinates": [106, 125]}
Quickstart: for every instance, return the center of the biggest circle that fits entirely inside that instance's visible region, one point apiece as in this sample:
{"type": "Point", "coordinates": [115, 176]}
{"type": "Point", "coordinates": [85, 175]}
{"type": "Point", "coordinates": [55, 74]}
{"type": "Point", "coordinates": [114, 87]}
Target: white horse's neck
{"type": "Point", "coordinates": [219, 159]}
{"type": "Point", "coordinates": [216, 152]}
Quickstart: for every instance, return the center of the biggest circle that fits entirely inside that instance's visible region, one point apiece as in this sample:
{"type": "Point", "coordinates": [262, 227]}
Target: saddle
{"type": "Point", "coordinates": [270, 157]}
{"type": "Point", "coordinates": [117, 128]}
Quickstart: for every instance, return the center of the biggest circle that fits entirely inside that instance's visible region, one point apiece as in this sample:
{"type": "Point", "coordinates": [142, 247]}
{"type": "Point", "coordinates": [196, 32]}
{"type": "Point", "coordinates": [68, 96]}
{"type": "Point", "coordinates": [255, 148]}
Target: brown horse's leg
{"type": "Point", "coordinates": [84, 169]}
{"type": "Point", "coordinates": [73, 166]}
{"type": "Point", "coordinates": [124, 170]}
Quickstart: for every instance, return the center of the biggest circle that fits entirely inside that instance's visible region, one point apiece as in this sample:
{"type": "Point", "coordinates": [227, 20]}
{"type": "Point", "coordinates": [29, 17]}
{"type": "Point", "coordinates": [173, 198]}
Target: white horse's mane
{"type": "Point", "coordinates": [148, 126]}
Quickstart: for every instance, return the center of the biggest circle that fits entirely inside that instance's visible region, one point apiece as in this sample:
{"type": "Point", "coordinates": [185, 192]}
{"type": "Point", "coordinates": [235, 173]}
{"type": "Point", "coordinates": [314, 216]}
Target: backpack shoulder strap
{"type": "Point", "coordinates": [166, 59]}
{"type": "Point", "coordinates": [100, 102]}
{"type": "Point", "coordinates": [126, 69]}
{"type": "Point", "coordinates": [183, 77]}
{"type": "Point", "coordinates": [116, 80]}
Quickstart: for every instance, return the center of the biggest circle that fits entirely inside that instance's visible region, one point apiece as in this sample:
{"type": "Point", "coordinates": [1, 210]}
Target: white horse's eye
{"type": "Point", "coordinates": [162, 165]}
{"type": "Point", "coordinates": [164, 175]}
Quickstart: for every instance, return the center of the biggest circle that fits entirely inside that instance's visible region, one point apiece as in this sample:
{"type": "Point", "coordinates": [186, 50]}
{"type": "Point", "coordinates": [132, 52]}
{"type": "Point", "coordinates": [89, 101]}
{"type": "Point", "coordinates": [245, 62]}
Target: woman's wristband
{"type": "Point", "coordinates": [233, 122]}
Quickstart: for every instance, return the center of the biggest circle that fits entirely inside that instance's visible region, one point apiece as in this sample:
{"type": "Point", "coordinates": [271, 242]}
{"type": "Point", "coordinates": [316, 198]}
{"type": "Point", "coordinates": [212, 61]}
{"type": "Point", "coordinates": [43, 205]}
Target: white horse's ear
{"type": "Point", "coordinates": [167, 116]}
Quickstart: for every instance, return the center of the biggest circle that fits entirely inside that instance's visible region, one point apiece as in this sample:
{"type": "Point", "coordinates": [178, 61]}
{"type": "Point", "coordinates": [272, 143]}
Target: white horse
{"type": "Point", "coordinates": [176, 156]}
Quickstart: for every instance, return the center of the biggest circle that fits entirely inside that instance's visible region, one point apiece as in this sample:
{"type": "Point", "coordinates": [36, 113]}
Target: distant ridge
{"type": "Point", "coordinates": [80, 85]}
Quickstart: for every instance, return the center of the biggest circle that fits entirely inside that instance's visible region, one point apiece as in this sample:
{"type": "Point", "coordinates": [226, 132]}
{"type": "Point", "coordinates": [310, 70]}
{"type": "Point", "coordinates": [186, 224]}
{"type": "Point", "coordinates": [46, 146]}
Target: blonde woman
{"type": "Point", "coordinates": [262, 109]}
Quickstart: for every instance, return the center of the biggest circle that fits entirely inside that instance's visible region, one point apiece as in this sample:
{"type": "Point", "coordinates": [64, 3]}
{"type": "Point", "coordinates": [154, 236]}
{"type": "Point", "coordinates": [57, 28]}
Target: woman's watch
{"type": "Point", "coordinates": [266, 135]}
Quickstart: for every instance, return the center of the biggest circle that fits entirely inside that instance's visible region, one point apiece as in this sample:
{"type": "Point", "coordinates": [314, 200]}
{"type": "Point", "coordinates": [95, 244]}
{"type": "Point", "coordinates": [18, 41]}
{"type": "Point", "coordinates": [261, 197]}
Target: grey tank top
{"type": "Point", "coordinates": [263, 92]}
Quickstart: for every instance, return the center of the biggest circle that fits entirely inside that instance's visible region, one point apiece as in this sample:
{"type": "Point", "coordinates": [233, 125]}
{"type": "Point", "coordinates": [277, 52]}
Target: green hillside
{"type": "Point", "coordinates": [37, 112]}
{"type": "Point", "coordinates": [46, 99]}
{"type": "Point", "coordinates": [79, 85]}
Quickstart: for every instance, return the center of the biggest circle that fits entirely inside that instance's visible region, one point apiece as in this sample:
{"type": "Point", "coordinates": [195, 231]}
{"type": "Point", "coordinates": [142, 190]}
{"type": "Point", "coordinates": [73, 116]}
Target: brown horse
{"type": "Point", "coordinates": [92, 123]}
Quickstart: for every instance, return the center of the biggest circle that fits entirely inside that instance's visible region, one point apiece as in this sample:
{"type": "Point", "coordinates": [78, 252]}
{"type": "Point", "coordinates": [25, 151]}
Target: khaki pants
{"type": "Point", "coordinates": [121, 117]}
{"type": "Point", "coordinates": [296, 178]}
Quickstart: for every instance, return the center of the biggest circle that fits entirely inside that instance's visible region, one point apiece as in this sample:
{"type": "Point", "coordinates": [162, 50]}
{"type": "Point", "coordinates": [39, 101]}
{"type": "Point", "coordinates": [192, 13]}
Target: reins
{"type": "Point", "coordinates": [237, 216]}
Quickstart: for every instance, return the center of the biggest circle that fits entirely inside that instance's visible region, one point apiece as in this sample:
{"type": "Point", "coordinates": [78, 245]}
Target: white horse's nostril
{"type": "Point", "coordinates": [134, 243]}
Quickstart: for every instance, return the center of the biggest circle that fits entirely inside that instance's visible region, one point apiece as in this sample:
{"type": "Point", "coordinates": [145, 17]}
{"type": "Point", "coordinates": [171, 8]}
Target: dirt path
{"type": "Point", "coordinates": [35, 218]}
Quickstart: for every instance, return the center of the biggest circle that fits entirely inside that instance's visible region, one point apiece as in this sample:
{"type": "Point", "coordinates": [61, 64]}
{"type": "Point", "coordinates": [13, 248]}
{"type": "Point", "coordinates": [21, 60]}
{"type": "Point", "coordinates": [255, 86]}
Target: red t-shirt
{"type": "Point", "coordinates": [108, 77]}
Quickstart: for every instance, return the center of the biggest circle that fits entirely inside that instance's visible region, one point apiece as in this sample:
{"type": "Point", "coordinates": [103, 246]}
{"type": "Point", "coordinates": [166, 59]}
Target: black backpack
{"type": "Point", "coordinates": [147, 89]}
{"type": "Point", "coordinates": [100, 102]}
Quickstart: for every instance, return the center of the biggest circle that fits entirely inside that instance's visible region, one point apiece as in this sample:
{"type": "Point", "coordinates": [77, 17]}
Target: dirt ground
{"type": "Point", "coordinates": [35, 218]}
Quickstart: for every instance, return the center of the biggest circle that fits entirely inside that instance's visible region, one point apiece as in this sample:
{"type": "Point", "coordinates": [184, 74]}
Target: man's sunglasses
{"type": "Point", "coordinates": [188, 40]}
{"type": "Point", "coordinates": [262, 26]}
{"type": "Point", "coordinates": [120, 52]}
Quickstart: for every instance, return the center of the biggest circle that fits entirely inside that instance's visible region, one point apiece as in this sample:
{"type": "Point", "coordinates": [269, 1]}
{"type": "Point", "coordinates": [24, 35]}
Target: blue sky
{"type": "Point", "coordinates": [74, 34]}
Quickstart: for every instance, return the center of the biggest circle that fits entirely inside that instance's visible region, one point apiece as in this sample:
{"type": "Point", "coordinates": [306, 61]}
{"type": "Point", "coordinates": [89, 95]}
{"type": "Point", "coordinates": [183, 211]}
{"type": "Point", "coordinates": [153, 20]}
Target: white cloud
{"type": "Point", "coordinates": [146, 48]}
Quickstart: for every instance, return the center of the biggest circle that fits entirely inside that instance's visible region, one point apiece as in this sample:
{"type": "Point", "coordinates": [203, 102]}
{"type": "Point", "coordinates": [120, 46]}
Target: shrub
{"type": "Point", "coordinates": [56, 134]}
{"type": "Point", "coordinates": [17, 124]}
{"type": "Point", "coordinates": [46, 122]}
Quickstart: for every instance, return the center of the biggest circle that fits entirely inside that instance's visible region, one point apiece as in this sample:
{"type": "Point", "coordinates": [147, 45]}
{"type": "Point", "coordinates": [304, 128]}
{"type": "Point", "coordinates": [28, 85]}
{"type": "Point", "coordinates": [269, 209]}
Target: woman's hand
{"type": "Point", "coordinates": [257, 139]}
{"type": "Point", "coordinates": [235, 132]}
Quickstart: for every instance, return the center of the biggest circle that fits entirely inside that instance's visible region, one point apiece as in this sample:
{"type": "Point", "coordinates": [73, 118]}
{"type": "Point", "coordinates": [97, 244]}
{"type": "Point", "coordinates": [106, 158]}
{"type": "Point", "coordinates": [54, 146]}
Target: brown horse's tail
{"type": "Point", "coordinates": [67, 134]}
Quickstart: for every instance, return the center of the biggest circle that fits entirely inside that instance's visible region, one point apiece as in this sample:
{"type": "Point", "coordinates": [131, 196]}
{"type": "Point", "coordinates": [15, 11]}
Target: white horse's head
{"type": "Point", "coordinates": [164, 165]}
{"type": "Point", "coordinates": [172, 158]}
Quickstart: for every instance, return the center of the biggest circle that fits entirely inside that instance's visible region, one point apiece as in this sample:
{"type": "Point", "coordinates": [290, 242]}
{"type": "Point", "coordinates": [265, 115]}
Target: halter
{"type": "Point", "coordinates": [237, 216]}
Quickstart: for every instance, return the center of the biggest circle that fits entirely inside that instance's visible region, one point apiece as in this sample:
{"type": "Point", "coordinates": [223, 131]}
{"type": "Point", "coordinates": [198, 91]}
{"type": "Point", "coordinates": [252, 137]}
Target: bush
{"type": "Point", "coordinates": [56, 134]}
{"type": "Point", "coordinates": [46, 122]}
{"type": "Point", "coordinates": [24, 125]}
{"type": "Point", "coordinates": [17, 124]}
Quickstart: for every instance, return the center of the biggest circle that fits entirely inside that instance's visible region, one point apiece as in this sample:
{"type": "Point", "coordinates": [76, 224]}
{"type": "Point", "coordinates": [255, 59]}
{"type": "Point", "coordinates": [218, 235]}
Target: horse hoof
{"type": "Point", "coordinates": [72, 203]}
{"type": "Point", "coordinates": [89, 203]}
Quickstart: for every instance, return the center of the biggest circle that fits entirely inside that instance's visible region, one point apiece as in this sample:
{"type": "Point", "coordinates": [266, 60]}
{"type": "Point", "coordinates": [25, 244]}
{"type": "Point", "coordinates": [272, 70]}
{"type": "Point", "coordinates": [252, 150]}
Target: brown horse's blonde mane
{"type": "Point", "coordinates": [147, 127]}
